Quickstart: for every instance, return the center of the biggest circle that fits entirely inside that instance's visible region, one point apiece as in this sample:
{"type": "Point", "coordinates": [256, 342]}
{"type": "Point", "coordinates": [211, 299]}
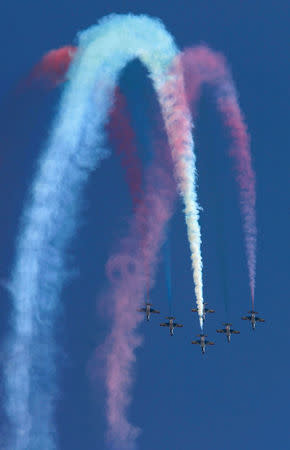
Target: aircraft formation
{"type": "Point", "coordinates": [227, 329]}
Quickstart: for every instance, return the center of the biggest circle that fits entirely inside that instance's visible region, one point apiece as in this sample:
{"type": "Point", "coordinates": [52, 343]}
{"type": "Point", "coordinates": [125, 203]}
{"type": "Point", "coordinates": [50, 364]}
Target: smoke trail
{"type": "Point", "coordinates": [74, 149]}
{"type": "Point", "coordinates": [21, 105]}
{"type": "Point", "coordinates": [128, 282]}
{"type": "Point", "coordinates": [202, 65]}
{"type": "Point", "coordinates": [51, 70]}
{"type": "Point", "coordinates": [54, 65]}
{"type": "Point", "coordinates": [131, 272]}
{"type": "Point", "coordinates": [179, 126]}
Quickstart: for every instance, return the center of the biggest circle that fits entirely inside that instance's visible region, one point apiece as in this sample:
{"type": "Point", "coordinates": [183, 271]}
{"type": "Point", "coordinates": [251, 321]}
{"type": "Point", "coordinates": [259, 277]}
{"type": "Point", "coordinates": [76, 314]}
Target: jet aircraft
{"type": "Point", "coordinates": [253, 318]}
{"type": "Point", "coordinates": [228, 331]}
{"type": "Point", "coordinates": [205, 311]}
{"type": "Point", "coordinates": [202, 342]}
{"type": "Point", "coordinates": [148, 310]}
{"type": "Point", "coordinates": [171, 324]}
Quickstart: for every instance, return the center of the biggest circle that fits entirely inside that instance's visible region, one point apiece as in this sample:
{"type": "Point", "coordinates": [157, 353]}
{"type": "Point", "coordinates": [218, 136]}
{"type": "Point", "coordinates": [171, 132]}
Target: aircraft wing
{"type": "Point", "coordinates": [209, 343]}
{"type": "Point", "coordinates": [259, 320]}
{"type": "Point", "coordinates": [154, 311]}
{"type": "Point", "coordinates": [235, 332]}
{"type": "Point", "coordinates": [210, 310]}
{"type": "Point", "coordinates": [194, 310]}
{"type": "Point", "coordinates": [141, 309]}
{"type": "Point", "coordinates": [164, 324]}
{"type": "Point", "coordinates": [195, 342]}
{"type": "Point", "coordinates": [177, 325]}
{"type": "Point", "coordinates": [246, 318]}
{"type": "Point", "coordinates": [220, 331]}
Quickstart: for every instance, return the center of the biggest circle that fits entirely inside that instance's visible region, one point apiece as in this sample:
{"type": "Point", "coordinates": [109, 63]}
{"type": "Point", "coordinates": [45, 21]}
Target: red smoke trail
{"type": "Point", "coordinates": [202, 65]}
{"type": "Point", "coordinates": [128, 280]}
{"type": "Point", "coordinates": [21, 105]}
{"type": "Point", "coordinates": [131, 272]}
{"type": "Point", "coordinates": [131, 269]}
{"type": "Point", "coordinates": [52, 68]}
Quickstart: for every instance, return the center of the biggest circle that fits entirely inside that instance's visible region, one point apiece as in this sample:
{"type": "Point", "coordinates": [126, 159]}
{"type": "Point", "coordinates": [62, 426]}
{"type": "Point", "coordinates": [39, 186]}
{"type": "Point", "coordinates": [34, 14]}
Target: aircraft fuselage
{"type": "Point", "coordinates": [253, 321]}
{"type": "Point", "coordinates": [147, 312]}
{"type": "Point", "coordinates": [202, 344]}
{"type": "Point", "coordinates": [228, 334]}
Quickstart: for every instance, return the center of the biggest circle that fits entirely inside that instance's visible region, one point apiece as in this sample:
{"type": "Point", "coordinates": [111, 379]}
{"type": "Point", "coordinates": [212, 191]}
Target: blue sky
{"type": "Point", "coordinates": [237, 395]}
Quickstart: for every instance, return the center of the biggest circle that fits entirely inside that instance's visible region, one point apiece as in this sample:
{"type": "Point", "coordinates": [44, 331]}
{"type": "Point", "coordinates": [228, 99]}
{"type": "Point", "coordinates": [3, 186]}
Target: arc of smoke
{"type": "Point", "coordinates": [74, 149]}
{"type": "Point", "coordinates": [202, 65]}
{"type": "Point", "coordinates": [176, 124]}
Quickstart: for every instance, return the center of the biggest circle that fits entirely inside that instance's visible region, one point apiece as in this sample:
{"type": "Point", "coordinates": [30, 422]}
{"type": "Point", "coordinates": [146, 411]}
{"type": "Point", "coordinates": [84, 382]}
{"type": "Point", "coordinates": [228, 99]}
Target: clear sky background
{"type": "Point", "coordinates": [236, 396]}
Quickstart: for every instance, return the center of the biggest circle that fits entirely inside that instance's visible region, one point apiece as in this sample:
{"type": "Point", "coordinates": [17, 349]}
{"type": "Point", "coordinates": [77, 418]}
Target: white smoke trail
{"type": "Point", "coordinates": [179, 126]}
{"type": "Point", "coordinates": [74, 149]}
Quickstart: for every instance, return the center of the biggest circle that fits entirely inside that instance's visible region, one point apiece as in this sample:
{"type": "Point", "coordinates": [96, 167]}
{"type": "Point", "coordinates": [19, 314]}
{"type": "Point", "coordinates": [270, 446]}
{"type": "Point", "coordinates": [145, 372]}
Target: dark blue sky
{"type": "Point", "coordinates": [237, 396]}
